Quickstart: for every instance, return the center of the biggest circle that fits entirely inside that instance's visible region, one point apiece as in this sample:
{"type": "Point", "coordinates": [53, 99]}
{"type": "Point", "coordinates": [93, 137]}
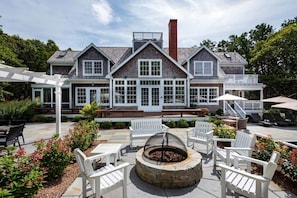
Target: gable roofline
{"type": "Point", "coordinates": [200, 49]}
{"type": "Point", "coordinates": [96, 48]}
{"type": "Point", "coordinates": [142, 48]}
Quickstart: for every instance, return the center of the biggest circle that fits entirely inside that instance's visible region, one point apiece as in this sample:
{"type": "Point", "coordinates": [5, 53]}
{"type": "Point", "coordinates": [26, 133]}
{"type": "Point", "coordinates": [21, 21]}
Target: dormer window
{"type": "Point", "coordinates": [149, 68]}
{"type": "Point", "coordinates": [93, 68]}
{"type": "Point", "coordinates": [203, 68]}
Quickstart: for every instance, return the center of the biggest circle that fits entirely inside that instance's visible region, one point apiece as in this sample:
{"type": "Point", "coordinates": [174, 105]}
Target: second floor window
{"type": "Point", "coordinates": [92, 68]}
{"type": "Point", "coordinates": [203, 68]}
{"type": "Point", "coordinates": [149, 68]}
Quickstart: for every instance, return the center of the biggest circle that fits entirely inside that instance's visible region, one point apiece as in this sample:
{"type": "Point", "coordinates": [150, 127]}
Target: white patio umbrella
{"type": "Point", "coordinates": [286, 105]}
{"type": "Point", "coordinates": [229, 97]}
{"type": "Point", "coordinates": [279, 99]}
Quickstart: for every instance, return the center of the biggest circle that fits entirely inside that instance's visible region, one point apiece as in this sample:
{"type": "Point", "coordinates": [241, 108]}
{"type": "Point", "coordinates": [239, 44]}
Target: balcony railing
{"type": "Point", "coordinates": [237, 79]}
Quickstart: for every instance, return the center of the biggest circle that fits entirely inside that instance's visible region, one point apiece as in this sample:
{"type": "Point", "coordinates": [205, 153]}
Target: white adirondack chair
{"type": "Point", "coordinates": [242, 145]}
{"type": "Point", "coordinates": [104, 179]}
{"type": "Point", "coordinates": [202, 133]}
{"type": "Point", "coordinates": [245, 183]}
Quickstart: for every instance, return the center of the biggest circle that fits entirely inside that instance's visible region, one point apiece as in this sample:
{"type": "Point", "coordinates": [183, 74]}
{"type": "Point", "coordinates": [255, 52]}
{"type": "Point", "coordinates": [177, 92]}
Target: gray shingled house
{"type": "Point", "coordinates": [150, 78]}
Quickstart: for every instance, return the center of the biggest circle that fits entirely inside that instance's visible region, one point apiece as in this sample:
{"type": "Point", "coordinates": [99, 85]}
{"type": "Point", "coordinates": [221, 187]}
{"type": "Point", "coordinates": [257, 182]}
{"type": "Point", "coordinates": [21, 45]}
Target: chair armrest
{"type": "Point", "coordinates": [238, 148]}
{"type": "Point", "coordinates": [99, 156]}
{"type": "Point", "coordinates": [224, 139]}
{"type": "Point", "coordinates": [165, 128]}
{"type": "Point", "coordinates": [256, 161]}
{"type": "Point", "coordinates": [131, 129]}
{"type": "Point", "coordinates": [244, 173]}
{"type": "Point", "coordinates": [190, 131]}
{"type": "Point", "coordinates": [100, 174]}
{"type": "Point", "coordinates": [209, 132]}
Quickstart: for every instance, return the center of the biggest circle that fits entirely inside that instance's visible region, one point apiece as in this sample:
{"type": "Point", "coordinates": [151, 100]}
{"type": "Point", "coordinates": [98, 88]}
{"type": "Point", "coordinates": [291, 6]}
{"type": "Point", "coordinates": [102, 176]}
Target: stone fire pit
{"type": "Point", "coordinates": [170, 174]}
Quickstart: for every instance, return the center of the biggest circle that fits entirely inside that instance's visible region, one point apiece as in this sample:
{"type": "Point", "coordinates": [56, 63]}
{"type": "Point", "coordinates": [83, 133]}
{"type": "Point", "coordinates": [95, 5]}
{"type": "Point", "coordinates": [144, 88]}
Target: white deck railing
{"type": "Point", "coordinates": [238, 79]}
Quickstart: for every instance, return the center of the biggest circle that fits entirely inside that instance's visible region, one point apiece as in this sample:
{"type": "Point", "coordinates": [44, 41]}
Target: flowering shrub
{"type": "Point", "coordinates": [20, 175]}
{"type": "Point", "coordinates": [224, 131]}
{"type": "Point", "coordinates": [82, 135]}
{"type": "Point", "coordinates": [56, 155]}
{"type": "Point", "coordinates": [288, 159]}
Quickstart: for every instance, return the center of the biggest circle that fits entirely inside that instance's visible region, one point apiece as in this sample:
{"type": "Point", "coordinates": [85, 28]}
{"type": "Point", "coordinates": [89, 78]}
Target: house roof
{"type": "Point", "coordinates": [115, 68]}
{"type": "Point", "coordinates": [120, 54]}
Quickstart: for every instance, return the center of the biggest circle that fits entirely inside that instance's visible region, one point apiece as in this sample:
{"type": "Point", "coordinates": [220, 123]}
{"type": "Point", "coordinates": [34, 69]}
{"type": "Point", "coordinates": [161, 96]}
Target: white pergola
{"type": "Point", "coordinates": [21, 74]}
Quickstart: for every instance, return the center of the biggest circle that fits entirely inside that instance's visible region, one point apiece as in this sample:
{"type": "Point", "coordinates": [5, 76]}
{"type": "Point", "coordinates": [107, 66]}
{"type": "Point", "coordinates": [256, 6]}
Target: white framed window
{"type": "Point", "coordinates": [174, 91]}
{"type": "Point", "coordinates": [85, 95]}
{"type": "Point", "coordinates": [125, 92]}
{"type": "Point", "coordinates": [203, 68]}
{"type": "Point", "coordinates": [204, 95]}
{"type": "Point", "coordinates": [93, 68]}
{"type": "Point", "coordinates": [149, 68]}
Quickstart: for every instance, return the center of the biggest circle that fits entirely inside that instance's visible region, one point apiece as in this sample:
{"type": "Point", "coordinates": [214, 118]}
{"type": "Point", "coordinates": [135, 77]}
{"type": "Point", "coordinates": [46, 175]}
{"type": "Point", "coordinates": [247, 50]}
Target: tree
{"type": "Point", "coordinates": [275, 60]}
{"type": "Point", "coordinates": [260, 33]}
{"type": "Point", "coordinates": [289, 22]}
{"type": "Point", "coordinates": [209, 43]}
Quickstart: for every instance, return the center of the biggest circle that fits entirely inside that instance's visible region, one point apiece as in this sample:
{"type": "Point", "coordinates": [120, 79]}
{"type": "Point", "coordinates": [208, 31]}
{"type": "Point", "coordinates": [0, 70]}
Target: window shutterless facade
{"type": "Point", "coordinates": [203, 68]}
{"type": "Point", "coordinates": [93, 68]}
{"type": "Point", "coordinates": [84, 95]}
{"type": "Point", "coordinates": [149, 68]}
{"type": "Point", "coordinates": [125, 92]}
{"type": "Point", "coordinates": [204, 95]}
{"type": "Point", "coordinates": [174, 91]}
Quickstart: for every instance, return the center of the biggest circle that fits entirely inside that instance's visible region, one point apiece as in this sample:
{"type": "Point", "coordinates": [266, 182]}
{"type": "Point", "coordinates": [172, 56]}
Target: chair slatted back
{"type": "Point", "coordinates": [201, 128]}
{"type": "Point", "coordinates": [244, 140]}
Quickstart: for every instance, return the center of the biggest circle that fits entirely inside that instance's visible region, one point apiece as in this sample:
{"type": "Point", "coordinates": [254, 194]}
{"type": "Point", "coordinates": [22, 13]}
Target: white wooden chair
{"type": "Point", "coordinates": [202, 133]}
{"type": "Point", "coordinates": [245, 183]}
{"type": "Point", "coordinates": [242, 145]}
{"type": "Point", "coordinates": [104, 179]}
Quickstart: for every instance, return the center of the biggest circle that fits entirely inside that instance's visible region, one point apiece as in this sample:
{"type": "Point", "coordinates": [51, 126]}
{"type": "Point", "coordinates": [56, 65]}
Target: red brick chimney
{"type": "Point", "coordinates": [172, 30]}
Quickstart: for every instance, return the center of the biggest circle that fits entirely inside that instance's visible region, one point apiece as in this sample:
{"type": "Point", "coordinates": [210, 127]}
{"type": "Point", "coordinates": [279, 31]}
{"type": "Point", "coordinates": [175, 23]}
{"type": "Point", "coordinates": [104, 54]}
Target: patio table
{"type": "Point", "coordinates": [114, 149]}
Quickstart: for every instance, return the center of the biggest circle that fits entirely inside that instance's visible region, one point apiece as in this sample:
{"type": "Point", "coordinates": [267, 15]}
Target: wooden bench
{"type": "Point", "coordinates": [144, 128]}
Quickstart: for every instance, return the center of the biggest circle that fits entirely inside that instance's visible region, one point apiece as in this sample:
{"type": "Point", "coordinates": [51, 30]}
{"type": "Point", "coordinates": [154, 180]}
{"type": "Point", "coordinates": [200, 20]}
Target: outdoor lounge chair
{"type": "Point", "coordinates": [11, 138]}
{"type": "Point", "coordinates": [280, 121]}
{"type": "Point", "coordinates": [245, 183]}
{"type": "Point", "coordinates": [202, 133]}
{"type": "Point", "coordinates": [103, 180]}
{"type": "Point", "coordinates": [256, 118]}
{"type": "Point", "coordinates": [289, 117]}
{"type": "Point", "coordinates": [242, 145]}
{"type": "Point", "coordinates": [17, 122]}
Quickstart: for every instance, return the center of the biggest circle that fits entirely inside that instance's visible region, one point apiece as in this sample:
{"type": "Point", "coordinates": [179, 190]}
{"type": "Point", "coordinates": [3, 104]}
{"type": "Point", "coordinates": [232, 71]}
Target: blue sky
{"type": "Point", "coordinates": [77, 23]}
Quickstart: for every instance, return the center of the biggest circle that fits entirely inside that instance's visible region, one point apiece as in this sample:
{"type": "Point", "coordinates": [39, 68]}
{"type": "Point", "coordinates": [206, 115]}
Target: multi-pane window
{"type": "Point", "coordinates": [149, 68]}
{"type": "Point", "coordinates": [125, 91]}
{"type": "Point", "coordinates": [92, 68]}
{"type": "Point", "coordinates": [203, 68]}
{"type": "Point", "coordinates": [81, 96]}
{"type": "Point", "coordinates": [174, 91]}
{"type": "Point", "coordinates": [203, 95]}
{"type": "Point", "coordinates": [89, 94]}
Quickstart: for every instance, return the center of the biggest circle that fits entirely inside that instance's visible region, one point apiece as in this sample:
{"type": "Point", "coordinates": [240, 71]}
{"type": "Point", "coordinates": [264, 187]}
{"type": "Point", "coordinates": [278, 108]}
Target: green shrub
{"type": "Point", "coordinates": [77, 118]}
{"type": "Point", "coordinates": [120, 125]}
{"type": "Point", "coordinates": [264, 148]}
{"type": "Point", "coordinates": [171, 124]}
{"type": "Point", "coordinates": [17, 109]}
{"type": "Point", "coordinates": [224, 131]}
{"type": "Point", "coordinates": [89, 110]}
{"type": "Point", "coordinates": [20, 174]}
{"type": "Point", "coordinates": [56, 156]}
{"type": "Point", "coordinates": [216, 121]}
{"type": "Point", "coordinates": [40, 118]}
{"type": "Point", "coordinates": [220, 112]}
{"type": "Point", "coordinates": [192, 123]}
{"type": "Point", "coordinates": [106, 125]}
{"type": "Point", "coordinates": [64, 118]}
{"type": "Point", "coordinates": [182, 124]}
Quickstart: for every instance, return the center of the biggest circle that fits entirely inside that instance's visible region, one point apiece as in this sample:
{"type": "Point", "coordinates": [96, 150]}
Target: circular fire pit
{"type": "Point", "coordinates": [168, 166]}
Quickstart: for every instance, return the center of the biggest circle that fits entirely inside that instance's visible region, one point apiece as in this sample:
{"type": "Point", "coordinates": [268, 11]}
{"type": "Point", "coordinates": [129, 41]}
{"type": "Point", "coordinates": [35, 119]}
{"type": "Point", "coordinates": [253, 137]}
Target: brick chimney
{"type": "Point", "coordinates": [172, 30]}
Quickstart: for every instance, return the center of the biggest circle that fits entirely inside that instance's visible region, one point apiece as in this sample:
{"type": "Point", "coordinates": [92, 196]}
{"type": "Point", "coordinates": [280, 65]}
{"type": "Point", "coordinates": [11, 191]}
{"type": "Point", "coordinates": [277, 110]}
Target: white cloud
{"type": "Point", "coordinates": [103, 12]}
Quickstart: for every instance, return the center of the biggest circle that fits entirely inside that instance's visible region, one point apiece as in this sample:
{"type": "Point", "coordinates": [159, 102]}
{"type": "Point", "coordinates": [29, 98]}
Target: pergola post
{"type": "Point", "coordinates": [58, 93]}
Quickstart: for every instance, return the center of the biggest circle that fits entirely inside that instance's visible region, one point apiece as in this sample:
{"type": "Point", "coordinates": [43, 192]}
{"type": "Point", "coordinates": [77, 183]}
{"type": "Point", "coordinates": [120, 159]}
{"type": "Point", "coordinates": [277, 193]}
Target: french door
{"type": "Point", "coordinates": [150, 98]}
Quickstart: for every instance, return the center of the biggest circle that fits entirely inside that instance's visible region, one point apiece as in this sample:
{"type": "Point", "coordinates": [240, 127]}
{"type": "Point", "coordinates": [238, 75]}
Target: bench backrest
{"type": "Point", "coordinates": [244, 140]}
{"type": "Point", "coordinates": [147, 125]}
{"type": "Point", "coordinates": [201, 128]}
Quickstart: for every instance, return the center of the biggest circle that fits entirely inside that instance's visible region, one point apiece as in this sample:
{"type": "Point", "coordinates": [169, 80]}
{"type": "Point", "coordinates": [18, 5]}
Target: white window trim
{"type": "Point", "coordinates": [93, 68]}
{"type": "Point", "coordinates": [150, 67]}
{"type": "Point", "coordinates": [87, 89]}
{"type": "Point", "coordinates": [203, 68]}
{"type": "Point", "coordinates": [209, 102]}
{"type": "Point", "coordinates": [125, 85]}
{"type": "Point", "coordinates": [174, 103]}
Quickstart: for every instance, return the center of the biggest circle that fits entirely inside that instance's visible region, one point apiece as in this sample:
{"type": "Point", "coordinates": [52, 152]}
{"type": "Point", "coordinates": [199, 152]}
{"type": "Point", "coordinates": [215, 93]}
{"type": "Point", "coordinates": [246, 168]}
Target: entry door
{"type": "Point", "coordinates": [150, 99]}
{"type": "Point", "coordinates": [93, 95]}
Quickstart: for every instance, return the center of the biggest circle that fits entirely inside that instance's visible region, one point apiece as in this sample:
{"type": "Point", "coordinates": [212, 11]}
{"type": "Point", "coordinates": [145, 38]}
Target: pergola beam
{"type": "Point", "coordinates": [19, 74]}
